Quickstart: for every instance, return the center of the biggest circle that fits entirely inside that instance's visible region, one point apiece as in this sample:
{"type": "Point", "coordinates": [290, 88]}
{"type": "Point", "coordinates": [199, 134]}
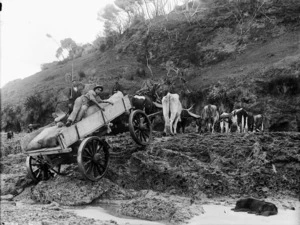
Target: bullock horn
{"type": "Point", "coordinates": [189, 109]}
{"type": "Point", "coordinates": [192, 114]}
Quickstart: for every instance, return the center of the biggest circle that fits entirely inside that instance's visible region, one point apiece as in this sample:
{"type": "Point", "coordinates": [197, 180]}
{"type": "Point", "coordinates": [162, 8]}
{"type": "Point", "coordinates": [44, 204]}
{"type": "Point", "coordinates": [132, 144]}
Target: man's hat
{"type": "Point", "coordinates": [98, 86]}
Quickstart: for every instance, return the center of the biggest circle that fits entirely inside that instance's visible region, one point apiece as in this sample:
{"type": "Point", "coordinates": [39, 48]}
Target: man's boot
{"type": "Point", "coordinates": [68, 123]}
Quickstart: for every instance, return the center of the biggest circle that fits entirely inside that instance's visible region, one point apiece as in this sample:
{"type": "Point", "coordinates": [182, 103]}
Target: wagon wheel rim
{"type": "Point", "coordinates": [39, 169]}
{"type": "Point", "coordinates": [93, 158]}
{"type": "Point", "coordinates": [140, 127]}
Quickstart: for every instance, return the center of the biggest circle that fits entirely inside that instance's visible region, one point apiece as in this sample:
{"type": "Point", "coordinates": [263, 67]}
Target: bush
{"type": "Point", "coordinates": [120, 50]}
{"type": "Point", "coordinates": [39, 108]}
{"type": "Point", "coordinates": [284, 85]}
{"type": "Point", "coordinates": [137, 20]}
{"type": "Point", "coordinates": [102, 47]}
{"type": "Point", "coordinates": [49, 78]}
{"type": "Point", "coordinates": [81, 74]}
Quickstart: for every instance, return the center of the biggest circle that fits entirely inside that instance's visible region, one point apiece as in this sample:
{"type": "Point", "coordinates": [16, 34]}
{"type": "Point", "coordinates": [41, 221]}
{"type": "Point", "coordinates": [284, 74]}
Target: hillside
{"type": "Point", "coordinates": [252, 61]}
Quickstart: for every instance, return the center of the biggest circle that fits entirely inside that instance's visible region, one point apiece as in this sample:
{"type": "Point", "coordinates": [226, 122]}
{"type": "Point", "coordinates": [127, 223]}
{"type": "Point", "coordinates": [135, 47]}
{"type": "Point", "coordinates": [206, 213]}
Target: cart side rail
{"type": "Point", "coordinates": [70, 135]}
{"type": "Point", "coordinates": [48, 151]}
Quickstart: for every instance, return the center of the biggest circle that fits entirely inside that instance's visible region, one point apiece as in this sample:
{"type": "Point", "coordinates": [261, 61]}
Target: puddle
{"type": "Point", "coordinates": [214, 215]}
{"type": "Point", "coordinates": [109, 212]}
{"type": "Point", "coordinates": [223, 215]}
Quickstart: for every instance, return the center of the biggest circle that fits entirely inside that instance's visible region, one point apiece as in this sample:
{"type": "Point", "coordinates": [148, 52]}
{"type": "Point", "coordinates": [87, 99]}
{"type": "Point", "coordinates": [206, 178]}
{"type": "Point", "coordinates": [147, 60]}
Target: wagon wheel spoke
{"type": "Point", "coordinates": [55, 170]}
{"type": "Point", "coordinates": [145, 134]}
{"type": "Point", "coordinates": [88, 166]}
{"type": "Point", "coordinates": [136, 123]}
{"type": "Point", "coordinates": [141, 135]}
{"type": "Point", "coordinates": [99, 169]}
{"type": "Point", "coordinates": [38, 175]}
{"type": "Point", "coordinates": [87, 154]}
{"type": "Point", "coordinates": [99, 149]}
{"type": "Point", "coordinates": [87, 157]}
{"type": "Point", "coordinates": [88, 151]}
{"type": "Point", "coordinates": [138, 134]}
{"type": "Point", "coordinates": [37, 172]}
{"type": "Point", "coordinates": [95, 146]}
{"type": "Point", "coordinates": [95, 170]}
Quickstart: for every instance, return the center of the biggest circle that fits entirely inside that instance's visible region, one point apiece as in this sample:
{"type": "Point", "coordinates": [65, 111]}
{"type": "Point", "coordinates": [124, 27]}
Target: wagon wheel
{"type": "Point", "coordinates": [39, 168]}
{"type": "Point", "coordinates": [93, 158]}
{"type": "Point", "coordinates": [140, 127]}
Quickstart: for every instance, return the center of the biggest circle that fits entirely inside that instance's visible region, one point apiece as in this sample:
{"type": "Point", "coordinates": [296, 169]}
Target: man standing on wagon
{"type": "Point", "coordinates": [74, 92]}
{"type": "Point", "coordinates": [83, 102]}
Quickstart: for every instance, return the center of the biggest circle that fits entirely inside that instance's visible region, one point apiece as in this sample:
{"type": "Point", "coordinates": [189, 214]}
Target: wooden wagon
{"type": "Point", "coordinates": [84, 143]}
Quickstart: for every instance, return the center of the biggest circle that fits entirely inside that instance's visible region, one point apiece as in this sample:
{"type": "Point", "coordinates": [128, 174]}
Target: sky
{"type": "Point", "coordinates": [24, 24]}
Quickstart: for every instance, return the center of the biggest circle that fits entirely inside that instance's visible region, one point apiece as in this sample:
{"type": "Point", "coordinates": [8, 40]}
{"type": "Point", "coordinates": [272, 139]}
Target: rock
{"type": "Point", "coordinates": [70, 191]}
{"type": "Point", "coordinates": [8, 202]}
{"type": "Point", "coordinates": [13, 183]}
{"type": "Point", "coordinates": [156, 206]}
{"type": "Point", "coordinates": [8, 197]}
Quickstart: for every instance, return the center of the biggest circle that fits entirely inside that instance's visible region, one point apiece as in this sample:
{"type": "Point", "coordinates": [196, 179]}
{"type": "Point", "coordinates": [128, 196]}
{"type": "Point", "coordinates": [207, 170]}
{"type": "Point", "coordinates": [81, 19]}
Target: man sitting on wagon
{"type": "Point", "coordinates": [83, 102]}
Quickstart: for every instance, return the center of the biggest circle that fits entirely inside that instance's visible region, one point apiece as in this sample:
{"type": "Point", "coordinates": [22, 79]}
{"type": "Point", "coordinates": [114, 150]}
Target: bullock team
{"type": "Point", "coordinates": [238, 120]}
{"type": "Point", "coordinates": [210, 118]}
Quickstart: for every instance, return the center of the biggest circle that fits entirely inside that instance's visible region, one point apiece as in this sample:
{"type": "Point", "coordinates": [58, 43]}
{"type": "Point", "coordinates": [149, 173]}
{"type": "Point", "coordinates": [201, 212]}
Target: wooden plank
{"type": "Point", "coordinates": [48, 151]}
{"type": "Point", "coordinates": [95, 121]}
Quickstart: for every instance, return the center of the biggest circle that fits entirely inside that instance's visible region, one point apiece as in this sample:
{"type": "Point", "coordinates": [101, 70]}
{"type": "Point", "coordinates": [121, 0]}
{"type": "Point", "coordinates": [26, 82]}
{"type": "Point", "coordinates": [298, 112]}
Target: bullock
{"type": "Point", "coordinates": [147, 99]}
{"type": "Point", "coordinates": [186, 119]}
{"type": "Point", "coordinates": [144, 103]}
{"type": "Point", "coordinates": [255, 122]}
{"type": "Point", "coordinates": [225, 122]}
{"type": "Point", "coordinates": [172, 109]}
{"type": "Point", "coordinates": [240, 120]}
{"type": "Point", "coordinates": [10, 135]}
{"type": "Point", "coordinates": [210, 116]}
{"type": "Point", "coordinates": [258, 123]}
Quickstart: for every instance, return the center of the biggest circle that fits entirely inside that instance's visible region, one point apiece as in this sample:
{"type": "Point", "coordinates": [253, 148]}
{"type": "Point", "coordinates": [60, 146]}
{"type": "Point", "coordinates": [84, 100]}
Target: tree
{"type": "Point", "coordinates": [38, 107]}
{"type": "Point", "coordinates": [11, 118]}
{"type": "Point", "coordinates": [114, 18]}
{"type": "Point", "coordinates": [69, 45]}
{"type": "Point", "coordinates": [132, 8]}
{"type": "Point", "coordinates": [59, 53]}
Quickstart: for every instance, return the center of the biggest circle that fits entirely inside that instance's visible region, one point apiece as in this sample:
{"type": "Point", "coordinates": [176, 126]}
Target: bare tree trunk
{"type": "Point", "coordinates": [149, 66]}
{"type": "Point", "coordinates": [147, 9]}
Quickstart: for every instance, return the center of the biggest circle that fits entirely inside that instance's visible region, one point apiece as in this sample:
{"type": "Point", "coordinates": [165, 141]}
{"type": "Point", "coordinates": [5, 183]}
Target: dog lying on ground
{"type": "Point", "coordinates": [255, 206]}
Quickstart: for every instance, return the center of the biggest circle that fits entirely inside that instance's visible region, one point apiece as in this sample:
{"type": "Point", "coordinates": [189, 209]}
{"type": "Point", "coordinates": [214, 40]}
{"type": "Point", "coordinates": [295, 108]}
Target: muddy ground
{"type": "Point", "coordinates": [166, 181]}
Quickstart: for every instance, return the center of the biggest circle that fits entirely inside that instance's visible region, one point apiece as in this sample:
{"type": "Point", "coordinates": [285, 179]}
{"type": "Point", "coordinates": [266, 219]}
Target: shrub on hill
{"type": "Point", "coordinates": [284, 85]}
{"type": "Point", "coordinates": [39, 108]}
{"type": "Point", "coordinates": [11, 118]}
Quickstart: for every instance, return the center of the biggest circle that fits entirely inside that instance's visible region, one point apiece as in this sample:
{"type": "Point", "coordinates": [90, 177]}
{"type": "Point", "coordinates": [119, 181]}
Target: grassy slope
{"type": "Point", "coordinates": [242, 68]}
{"type": "Point", "coordinates": [257, 57]}
{"type": "Point", "coordinates": [106, 67]}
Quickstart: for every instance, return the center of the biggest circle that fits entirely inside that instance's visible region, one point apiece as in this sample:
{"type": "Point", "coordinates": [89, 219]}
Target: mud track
{"type": "Point", "coordinates": [170, 179]}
